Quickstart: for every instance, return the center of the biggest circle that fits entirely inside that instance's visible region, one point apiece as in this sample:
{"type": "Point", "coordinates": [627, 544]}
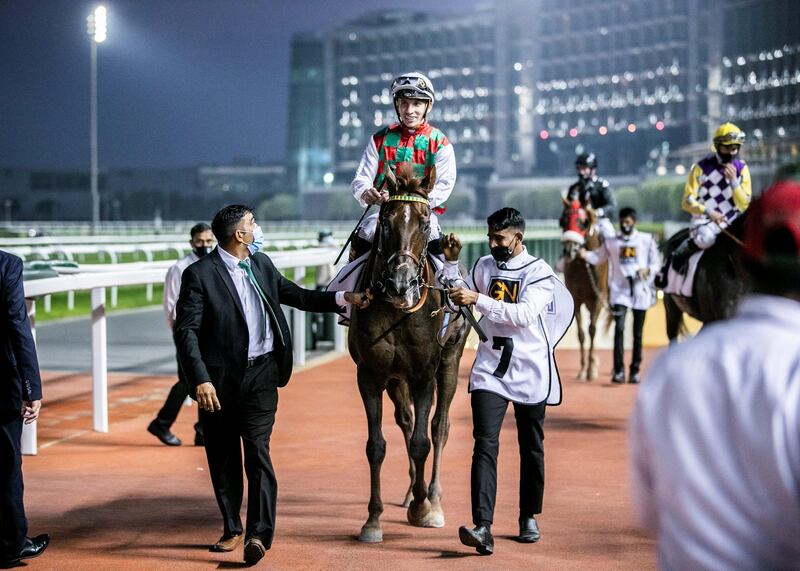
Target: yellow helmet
{"type": "Point", "coordinates": [728, 134]}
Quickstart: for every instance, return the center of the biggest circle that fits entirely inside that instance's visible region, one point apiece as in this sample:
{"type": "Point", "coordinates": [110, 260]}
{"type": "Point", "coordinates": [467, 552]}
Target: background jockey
{"type": "Point", "coordinates": [594, 191]}
{"type": "Point", "coordinates": [413, 140]}
{"type": "Point", "coordinates": [717, 191]}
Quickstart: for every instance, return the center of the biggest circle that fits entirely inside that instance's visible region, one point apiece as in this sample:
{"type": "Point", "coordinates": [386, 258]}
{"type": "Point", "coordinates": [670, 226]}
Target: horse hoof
{"type": "Point", "coordinates": [370, 534]}
{"type": "Point", "coordinates": [434, 519]}
{"type": "Point", "coordinates": [407, 501]}
{"type": "Point", "coordinates": [420, 514]}
{"type": "Point", "coordinates": [582, 376]}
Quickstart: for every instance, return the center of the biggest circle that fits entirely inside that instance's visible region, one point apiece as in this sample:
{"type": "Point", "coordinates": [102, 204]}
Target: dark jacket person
{"type": "Point", "coordinates": [235, 349]}
{"type": "Point", "coordinates": [20, 400]}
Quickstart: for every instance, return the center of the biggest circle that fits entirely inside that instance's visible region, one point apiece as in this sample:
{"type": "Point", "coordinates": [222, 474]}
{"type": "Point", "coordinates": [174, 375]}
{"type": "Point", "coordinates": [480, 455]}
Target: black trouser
{"type": "Point", "coordinates": [488, 412]}
{"type": "Point", "coordinates": [13, 525]}
{"type": "Point", "coordinates": [619, 328]}
{"type": "Point", "coordinates": [172, 406]}
{"type": "Point", "coordinates": [248, 418]}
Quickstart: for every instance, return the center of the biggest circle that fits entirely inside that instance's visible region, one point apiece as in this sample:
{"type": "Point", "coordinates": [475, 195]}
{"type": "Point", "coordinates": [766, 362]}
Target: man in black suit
{"type": "Point", "coordinates": [235, 349]}
{"type": "Point", "coordinates": [20, 400]}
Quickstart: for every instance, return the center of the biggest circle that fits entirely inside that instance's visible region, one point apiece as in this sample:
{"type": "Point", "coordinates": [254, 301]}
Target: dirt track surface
{"type": "Point", "coordinates": [124, 501]}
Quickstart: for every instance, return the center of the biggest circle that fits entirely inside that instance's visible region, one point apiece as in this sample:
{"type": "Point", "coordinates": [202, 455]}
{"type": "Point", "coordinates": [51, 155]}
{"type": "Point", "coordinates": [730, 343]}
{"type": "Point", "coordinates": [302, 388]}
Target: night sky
{"type": "Point", "coordinates": [181, 82]}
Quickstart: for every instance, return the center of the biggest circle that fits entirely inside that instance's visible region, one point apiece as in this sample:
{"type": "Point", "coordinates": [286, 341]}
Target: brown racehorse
{"type": "Point", "coordinates": [394, 345]}
{"type": "Point", "coordinates": [587, 284]}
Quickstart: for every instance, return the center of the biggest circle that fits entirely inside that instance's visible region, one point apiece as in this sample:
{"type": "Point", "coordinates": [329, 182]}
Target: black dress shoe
{"type": "Point", "coordinates": [34, 546]}
{"type": "Point", "coordinates": [618, 378]}
{"type": "Point", "coordinates": [528, 530]}
{"type": "Point", "coordinates": [480, 538]}
{"type": "Point", "coordinates": [163, 434]}
{"type": "Point", "coordinates": [10, 563]}
{"type": "Point", "coordinates": [253, 551]}
{"type": "Point", "coordinates": [198, 439]}
{"type": "Point", "coordinates": [633, 378]}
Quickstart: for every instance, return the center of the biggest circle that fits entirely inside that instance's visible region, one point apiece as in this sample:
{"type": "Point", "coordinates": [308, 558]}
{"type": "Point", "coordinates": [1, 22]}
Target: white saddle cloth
{"type": "Point", "coordinates": [683, 284]}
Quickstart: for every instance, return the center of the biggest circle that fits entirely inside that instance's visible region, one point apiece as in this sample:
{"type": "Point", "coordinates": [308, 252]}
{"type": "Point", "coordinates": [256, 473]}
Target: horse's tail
{"type": "Point", "coordinates": [675, 324]}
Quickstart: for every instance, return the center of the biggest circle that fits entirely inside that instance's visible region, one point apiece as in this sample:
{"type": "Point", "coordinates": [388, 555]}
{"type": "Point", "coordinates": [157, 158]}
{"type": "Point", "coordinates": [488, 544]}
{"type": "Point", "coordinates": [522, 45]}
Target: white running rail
{"type": "Point", "coordinates": [96, 280]}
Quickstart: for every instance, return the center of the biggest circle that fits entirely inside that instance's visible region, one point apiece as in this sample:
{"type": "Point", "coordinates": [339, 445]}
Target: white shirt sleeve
{"type": "Point", "coordinates": [597, 256]}
{"type": "Point", "coordinates": [172, 288]}
{"type": "Point", "coordinates": [445, 176]}
{"type": "Point", "coordinates": [533, 301]}
{"type": "Point", "coordinates": [642, 485]}
{"type": "Point", "coordinates": [653, 261]}
{"type": "Point", "coordinates": [366, 172]}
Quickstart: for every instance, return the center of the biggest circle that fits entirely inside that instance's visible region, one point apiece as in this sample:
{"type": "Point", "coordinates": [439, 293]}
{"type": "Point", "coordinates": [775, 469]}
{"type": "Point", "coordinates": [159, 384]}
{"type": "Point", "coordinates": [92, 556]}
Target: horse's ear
{"type": "Point", "coordinates": [429, 180]}
{"type": "Point", "coordinates": [391, 179]}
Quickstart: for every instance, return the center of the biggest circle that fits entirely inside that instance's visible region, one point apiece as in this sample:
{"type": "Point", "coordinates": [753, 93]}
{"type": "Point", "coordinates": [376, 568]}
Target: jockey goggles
{"type": "Point", "coordinates": [413, 86]}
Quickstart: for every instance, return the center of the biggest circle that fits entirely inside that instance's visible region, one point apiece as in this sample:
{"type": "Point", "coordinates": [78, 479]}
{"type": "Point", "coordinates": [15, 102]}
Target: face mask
{"type": "Point", "coordinates": [201, 251]}
{"type": "Point", "coordinates": [626, 228]}
{"type": "Point", "coordinates": [258, 240]}
{"type": "Point", "coordinates": [725, 158]}
{"type": "Point", "coordinates": [501, 253]}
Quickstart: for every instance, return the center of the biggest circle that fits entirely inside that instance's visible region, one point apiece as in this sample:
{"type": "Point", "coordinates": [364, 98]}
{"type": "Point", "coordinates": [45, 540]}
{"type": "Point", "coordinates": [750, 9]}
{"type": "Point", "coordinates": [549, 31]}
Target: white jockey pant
{"type": "Point", "coordinates": [606, 228]}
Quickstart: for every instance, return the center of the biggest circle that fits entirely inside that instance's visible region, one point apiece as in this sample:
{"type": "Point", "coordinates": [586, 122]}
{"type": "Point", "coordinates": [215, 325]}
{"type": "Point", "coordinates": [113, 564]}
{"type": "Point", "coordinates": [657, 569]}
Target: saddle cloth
{"type": "Point", "coordinates": [680, 284]}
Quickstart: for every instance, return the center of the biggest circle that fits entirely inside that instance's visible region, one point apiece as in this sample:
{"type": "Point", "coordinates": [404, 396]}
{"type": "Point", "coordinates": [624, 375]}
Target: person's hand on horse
{"type": "Point", "coordinates": [373, 196]}
{"type": "Point", "coordinates": [730, 172]}
{"type": "Point", "coordinates": [360, 299]}
{"type": "Point", "coordinates": [207, 397]}
{"type": "Point", "coordinates": [463, 296]}
{"type": "Point", "coordinates": [451, 246]}
{"type": "Point", "coordinates": [716, 216]}
{"type": "Point", "coordinates": [582, 253]}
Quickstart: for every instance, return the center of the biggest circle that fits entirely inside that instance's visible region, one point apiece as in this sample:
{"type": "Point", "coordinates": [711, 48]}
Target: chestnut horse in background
{"type": "Point", "coordinates": [588, 284]}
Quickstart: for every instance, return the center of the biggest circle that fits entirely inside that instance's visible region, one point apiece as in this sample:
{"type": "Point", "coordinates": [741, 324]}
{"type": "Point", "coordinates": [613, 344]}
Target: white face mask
{"type": "Point", "coordinates": [258, 240]}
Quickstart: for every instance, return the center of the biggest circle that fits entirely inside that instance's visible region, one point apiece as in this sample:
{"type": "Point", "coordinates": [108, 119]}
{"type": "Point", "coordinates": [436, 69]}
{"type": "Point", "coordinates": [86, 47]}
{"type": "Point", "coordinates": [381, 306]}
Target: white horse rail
{"type": "Point", "coordinates": [150, 273]}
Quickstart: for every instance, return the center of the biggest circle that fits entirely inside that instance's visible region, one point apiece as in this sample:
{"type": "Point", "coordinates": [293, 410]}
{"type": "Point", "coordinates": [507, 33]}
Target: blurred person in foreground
{"type": "Point", "coordinates": [20, 401]}
{"type": "Point", "coordinates": [202, 242]}
{"type": "Point", "coordinates": [715, 433]}
{"type": "Point", "coordinates": [235, 349]}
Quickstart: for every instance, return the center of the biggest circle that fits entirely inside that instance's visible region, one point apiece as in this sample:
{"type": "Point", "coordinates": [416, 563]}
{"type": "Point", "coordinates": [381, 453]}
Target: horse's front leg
{"type": "Point", "coordinates": [372, 396]}
{"type": "Point", "coordinates": [447, 382]}
{"type": "Point", "coordinates": [594, 363]}
{"type": "Point", "coordinates": [404, 417]}
{"type": "Point", "coordinates": [581, 341]}
{"type": "Point", "coordinates": [419, 512]}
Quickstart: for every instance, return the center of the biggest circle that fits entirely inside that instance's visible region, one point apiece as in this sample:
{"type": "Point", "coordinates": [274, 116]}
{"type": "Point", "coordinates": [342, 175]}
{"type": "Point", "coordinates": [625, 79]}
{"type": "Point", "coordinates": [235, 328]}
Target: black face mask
{"type": "Point", "coordinates": [626, 229]}
{"type": "Point", "coordinates": [201, 251]}
{"type": "Point", "coordinates": [725, 158]}
{"type": "Point", "coordinates": [502, 253]}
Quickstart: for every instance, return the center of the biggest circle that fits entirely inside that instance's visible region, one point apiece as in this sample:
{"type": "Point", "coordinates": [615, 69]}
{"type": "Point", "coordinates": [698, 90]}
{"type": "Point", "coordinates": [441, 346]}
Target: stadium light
{"type": "Point", "coordinates": [97, 28]}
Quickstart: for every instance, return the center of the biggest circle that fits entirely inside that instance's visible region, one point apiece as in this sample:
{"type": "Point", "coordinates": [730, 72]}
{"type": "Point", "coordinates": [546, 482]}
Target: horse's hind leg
{"type": "Point", "coordinates": [419, 512]}
{"type": "Point", "coordinates": [594, 362]}
{"type": "Point", "coordinates": [372, 396]}
{"type": "Point", "coordinates": [447, 381]}
{"type": "Point", "coordinates": [404, 417]}
{"type": "Point", "coordinates": [581, 340]}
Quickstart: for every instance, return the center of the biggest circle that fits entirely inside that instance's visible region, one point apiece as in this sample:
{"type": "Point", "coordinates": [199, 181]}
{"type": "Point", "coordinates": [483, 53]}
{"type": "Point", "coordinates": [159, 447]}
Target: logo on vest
{"type": "Point", "coordinates": [504, 290]}
{"type": "Point", "coordinates": [627, 254]}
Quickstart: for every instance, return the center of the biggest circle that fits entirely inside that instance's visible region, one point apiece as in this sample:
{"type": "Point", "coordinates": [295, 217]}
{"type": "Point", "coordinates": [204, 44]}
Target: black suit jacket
{"type": "Point", "coordinates": [19, 367]}
{"type": "Point", "coordinates": [210, 330]}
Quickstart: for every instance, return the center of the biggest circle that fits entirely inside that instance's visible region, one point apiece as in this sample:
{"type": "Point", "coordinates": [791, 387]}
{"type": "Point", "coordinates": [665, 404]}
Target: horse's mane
{"type": "Point", "coordinates": [406, 181]}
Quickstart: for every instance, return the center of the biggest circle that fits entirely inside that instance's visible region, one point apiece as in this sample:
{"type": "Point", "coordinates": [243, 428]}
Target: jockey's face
{"type": "Point", "coordinates": [585, 172]}
{"type": "Point", "coordinates": [411, 112]}
{"type": "Point", "coordinates": [731, 150]}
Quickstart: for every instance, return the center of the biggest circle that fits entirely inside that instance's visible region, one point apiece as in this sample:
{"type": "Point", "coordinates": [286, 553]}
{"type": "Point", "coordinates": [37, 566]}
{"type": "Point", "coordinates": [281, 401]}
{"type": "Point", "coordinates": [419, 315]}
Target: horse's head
{"type": "Point", "coordinates": [577, 220]}
{"type": "Point", "coordinates": [403, 235]}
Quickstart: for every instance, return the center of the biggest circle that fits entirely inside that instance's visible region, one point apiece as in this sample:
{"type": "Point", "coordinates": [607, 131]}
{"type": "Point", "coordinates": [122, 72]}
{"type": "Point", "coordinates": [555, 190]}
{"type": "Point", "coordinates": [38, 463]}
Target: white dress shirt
{"type": "Point", "coordinates": [172, 286]}
{"type": "Point", "coordinates": [715, 443]}
{"type": "Point", "coordinates": [258, 326]}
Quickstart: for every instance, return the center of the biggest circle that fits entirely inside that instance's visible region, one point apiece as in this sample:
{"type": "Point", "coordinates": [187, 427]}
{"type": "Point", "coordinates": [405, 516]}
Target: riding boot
{"type": "Point", "coordinates": [358, 247]}
{"type": "Point", "coordinates": [681, 255]}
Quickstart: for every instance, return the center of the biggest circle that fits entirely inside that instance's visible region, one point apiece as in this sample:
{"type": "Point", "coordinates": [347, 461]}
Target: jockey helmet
{"type": "Point", "coordinates": [728, 134]}
{"type": "Point", "coordinates": [586, 160]}
{"type": "Point", "coordinates": [413, 85]}
{"type": "Point", "coordinates": [772, 229]}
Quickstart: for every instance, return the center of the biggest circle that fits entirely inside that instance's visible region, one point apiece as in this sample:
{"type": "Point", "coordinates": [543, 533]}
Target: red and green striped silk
{"type": "Point", "coordinates": [397, 145]}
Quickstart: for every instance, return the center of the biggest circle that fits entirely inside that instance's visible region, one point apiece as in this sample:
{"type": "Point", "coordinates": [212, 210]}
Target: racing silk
{"type": "Point", "coordinates": [422, 148]}
{"type": "Point", "coordinates": [707, 189]}
{"type": "Point", "coordinates": [526, 310]}
{"type": "Point", "coordinates": [627, 255]}
{"type": "Point", "coordinates": [597, 193]}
